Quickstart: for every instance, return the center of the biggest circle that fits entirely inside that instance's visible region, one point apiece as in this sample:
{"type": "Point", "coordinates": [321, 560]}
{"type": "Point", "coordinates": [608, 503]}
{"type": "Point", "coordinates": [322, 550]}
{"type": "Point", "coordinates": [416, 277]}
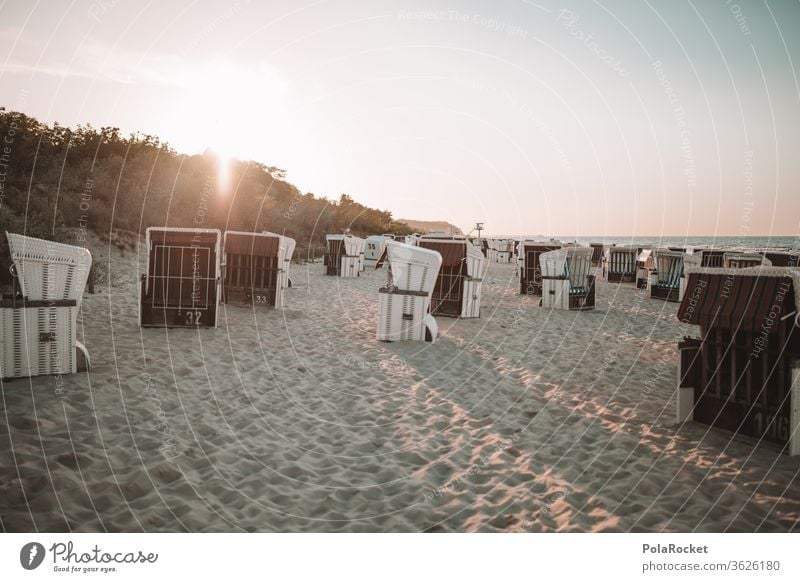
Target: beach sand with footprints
{"type": "Point", "coordinates": [524, 420]}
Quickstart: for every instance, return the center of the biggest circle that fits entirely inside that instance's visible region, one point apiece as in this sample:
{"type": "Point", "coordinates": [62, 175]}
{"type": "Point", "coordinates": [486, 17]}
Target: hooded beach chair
{"type": "Point", "coordinates": [38, 320]}
{"type": "Point", "coordinates": [566, 279]}
{"type": "Point", "coordinates": [253, 268]}
{"type": "Point", "coordinates": [404, 303]}
{"type": "Point", "coordinates": [622, 264]}
{"type": "Point", "coordinates": [530, 274]}
{"type": "Point", "coordinates": [504, 250]}
{"type": "Point", "coordinates": [373, 249]}
{"type": "Point", "coordinates": [742, 373]}
{"type": "Point", "coordinates": [744, 260]}
{"type": "Point", "coordinates": [182, 283]}
{"type": "Point", "coordinates": [457, 292]}
{"type": "Point", "coordinates": [344, 256]}
{"type": "Point", "coordinates": [599, 259]}
{"type": "Point", "coordinates": [598, 254]}
{"type": "Point", "coordinates": [714, 258]}
{"type": "Point", "coordinates": [779, 258]}
{"type": "Point", "coordinates": [665, 282]}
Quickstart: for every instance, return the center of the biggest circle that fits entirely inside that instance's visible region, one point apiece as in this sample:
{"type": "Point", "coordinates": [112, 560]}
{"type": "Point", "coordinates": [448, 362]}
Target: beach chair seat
{"type": "Point", "coordinates": [598, 254]}
{"type": "Point", "coordinates": [38, 322]}
{"type": "Point", "coordinates": [712, 258]}
{"type": "Point", "coordinates": [666, 281]}
{"type": "Point", "coordinates": [622, 264]}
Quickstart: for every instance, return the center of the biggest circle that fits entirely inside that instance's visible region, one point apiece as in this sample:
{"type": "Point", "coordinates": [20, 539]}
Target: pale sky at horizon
{"type": "Point", "coordinates": [583, 118]}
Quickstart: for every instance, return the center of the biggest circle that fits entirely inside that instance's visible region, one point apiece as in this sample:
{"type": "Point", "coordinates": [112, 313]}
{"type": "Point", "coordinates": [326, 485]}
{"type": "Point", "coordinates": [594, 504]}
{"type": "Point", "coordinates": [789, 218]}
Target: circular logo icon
{"type": "Point", "coordinates": [31, 555]}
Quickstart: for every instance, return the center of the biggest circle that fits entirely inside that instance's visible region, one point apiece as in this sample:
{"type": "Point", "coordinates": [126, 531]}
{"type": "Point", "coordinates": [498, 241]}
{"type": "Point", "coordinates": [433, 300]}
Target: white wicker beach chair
{"type": "Point", "coordinates": [566, 279]}
{"type": "Point", "coordinates": [49, 270]}
{"type": "Point", "coordinates": [404, 303]}
{"type": "Point", "coordinates": [38, 329]}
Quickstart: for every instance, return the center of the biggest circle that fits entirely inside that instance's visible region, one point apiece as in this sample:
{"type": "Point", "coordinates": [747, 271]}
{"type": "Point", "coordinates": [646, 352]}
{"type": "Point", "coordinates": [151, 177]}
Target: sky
{"type": "Point", "coordinates": [577, 118]}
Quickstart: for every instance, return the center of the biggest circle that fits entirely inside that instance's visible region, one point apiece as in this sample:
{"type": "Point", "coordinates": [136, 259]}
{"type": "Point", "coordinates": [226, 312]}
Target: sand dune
{"type": "Point", "coordinates": [299, 420]}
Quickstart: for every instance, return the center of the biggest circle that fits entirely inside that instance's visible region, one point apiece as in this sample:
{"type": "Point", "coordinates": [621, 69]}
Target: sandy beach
{"type": "Point", "coordinates": [525, 420]}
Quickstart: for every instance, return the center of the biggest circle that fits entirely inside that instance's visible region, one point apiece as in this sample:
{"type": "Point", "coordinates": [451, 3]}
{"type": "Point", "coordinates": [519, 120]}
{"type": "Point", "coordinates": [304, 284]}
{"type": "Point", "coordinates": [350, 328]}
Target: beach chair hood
{"type": "Point", "coordinates": [554, 263]}
{"type": "Point", "coordinates": [413, 268]}
{"type": "Point", "coordinates": [49, 270]}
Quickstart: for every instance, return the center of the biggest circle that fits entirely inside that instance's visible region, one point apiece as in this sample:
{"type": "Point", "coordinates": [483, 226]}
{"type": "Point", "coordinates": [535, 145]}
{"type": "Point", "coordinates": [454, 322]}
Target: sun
{"type": "Point", "coordinates": [224, 163]}
{"type": "Point", "coordinates": [228, 108]}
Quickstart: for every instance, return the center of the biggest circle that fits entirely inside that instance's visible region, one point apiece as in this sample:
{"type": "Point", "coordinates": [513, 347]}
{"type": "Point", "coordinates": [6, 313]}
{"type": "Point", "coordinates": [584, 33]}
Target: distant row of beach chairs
{"type": "Point", "coordinates": [742, 373]}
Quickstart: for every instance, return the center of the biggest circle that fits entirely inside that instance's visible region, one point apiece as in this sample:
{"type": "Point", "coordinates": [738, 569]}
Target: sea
{"type": "Point", "coordinates": [744, 242]}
